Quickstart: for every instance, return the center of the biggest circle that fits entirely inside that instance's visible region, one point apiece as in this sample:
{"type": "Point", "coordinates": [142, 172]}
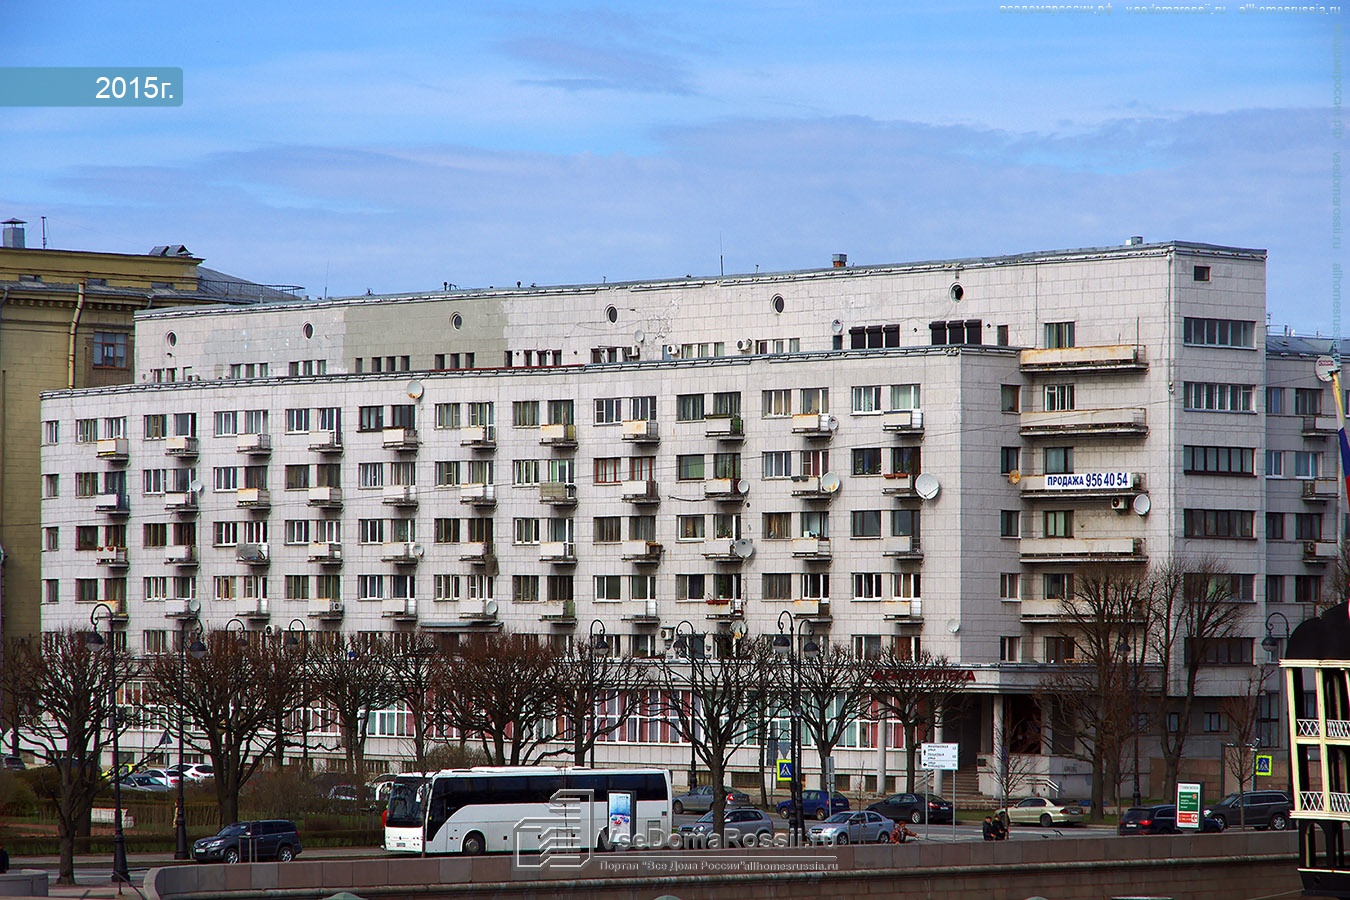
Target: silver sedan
{"type": "Point", "coordinates": [860, 827]}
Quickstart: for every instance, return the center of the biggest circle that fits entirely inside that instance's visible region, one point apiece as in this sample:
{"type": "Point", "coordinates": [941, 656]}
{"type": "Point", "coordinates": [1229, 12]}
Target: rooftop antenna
{"type": "Point", "coordinates": [326, 266]}
{"type": "Point", "coordinates": [44, 232]}
{"type": "Point", "coordinates": [721, 258]}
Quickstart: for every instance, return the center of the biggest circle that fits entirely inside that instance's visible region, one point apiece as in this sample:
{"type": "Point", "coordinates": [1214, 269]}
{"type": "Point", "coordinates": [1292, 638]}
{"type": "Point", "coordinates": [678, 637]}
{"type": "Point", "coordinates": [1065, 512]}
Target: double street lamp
{"type": "Point", "coordinates": [685, 646]}
{"type": "Point", "coordinates": [95, 642]}
{"type": "Point", "coordinates": [198, 650]}
{"type": "Point", "coordinates": [301, 643]}
{"type": "Point", "coordinates": [790, 635]}
{"type": "Point", "coordinates": [596, 645]}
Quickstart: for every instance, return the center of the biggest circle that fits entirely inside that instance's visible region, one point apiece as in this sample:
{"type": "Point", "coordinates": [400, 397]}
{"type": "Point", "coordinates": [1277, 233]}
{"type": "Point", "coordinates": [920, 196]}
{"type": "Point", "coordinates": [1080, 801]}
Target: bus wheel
{"type": "Point", "coordinates": [474, 845]}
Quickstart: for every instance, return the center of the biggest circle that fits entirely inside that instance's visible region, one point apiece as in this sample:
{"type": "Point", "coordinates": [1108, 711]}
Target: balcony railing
{"type": "Point", "coordinates": [325, 441]}
{"type": "Point", "coordinates": [399, 608]}
{"type": "Point", "coordinates": [722, 550]}
{"type": "Point", "coordinates": [897, 484]}
{"type": "Point", "coordinates": [113, 557]}
{"type": "Point", "coordinates": [400, 495]}
{"type": "Point", "coordinates": [725, 428]}
{"type": "Point", "coordinates": [812, 487]}
{"type": "Point", "coordinates": [405, 553]}
{"type": "Point", "coordinates": [901, 546]}
{"type": "Point", "coordinates": [903, 421]}
{"type": "Point", "coordinates": [641, 431]}
{"type": "Point", "coordinates": [1319, 426]}
{"type": "Point", "coordinates": [253, 498]}
{"type": "Point", "coordinates": [811, 548]}
{"type": "Point", "coordinates": [253, 554]}
{"type": "Point", "coordinates": [180, 607]}
{"type": "Point", "coordinates": [183, 445]}
{"type": "Point", "coordinates": [478, 494]}
{"type": "Point", "coordinates": [640, 492]}
{"type": "Point", "coordinates": [1068, 550]}
{"type": "Point", "coordinates": [113, 504]}
{"type": "Point", "coordinates": [184, 502]}
{"type": "Point", "coordinates": [325, 497]}
{"type": "Point", "coordinates": [563, 436]}
{"type": "Point", "coordinates": [325, 609]}
{"type": "Point", "coordinates": [1319, 551]}
{"type": "Point", "coordinates": [325, 552]}
{"type": "Point", "coordinates": [114, 449]}
{"type": "Point", "coordinates": [641, 551]}
{"type": "Point", "coordinates": [400, 439]}
{"type": "Point", "coordinates": [563, 615]}
{"type": "Point", "coordinates": [254, 608]}
{"type": "Point", "coordinates": [725, 488]}
{"type": "Point", "coordinates": [480, 437]}
{"type": "Point", "coordinates": [253, 444]}
{"type": "Point", "coordinates": [562, 552]}
{"type": "Point", "coordinates": [902, 608]}
{"type": "Point", "coordinates": [1120, 357]}
{"type": "Point", "coordinates": [1124, 421]}
{"type": "Point", "coordinates": [475, 551]}
{"type": "Point", "coordinates": [815, 425]}
{"type": "Point", "coordinates": [558, 493]}
{"type": "Point", "coordinates": [1090, 485]}
{"type": "Point", "coordinates": [1321, 489]}
{"type": "Point", "coordinates": [181, 554]}
{"type": "Point", "coordinates": [648, 614]}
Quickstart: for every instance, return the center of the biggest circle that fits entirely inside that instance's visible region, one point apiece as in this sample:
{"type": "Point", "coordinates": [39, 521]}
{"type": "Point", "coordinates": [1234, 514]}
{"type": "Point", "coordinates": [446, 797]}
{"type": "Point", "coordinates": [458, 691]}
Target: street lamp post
{"type": "Point", "coordinates": [789, 633]}
{"type": "Point", "coordinates": [198, 650]}
{"type": "Point", "coordinates": [302, 643]}
{"type": "Point", "coordinates": [684, 646]}
{"type": "Point", "coordinates": [95, 642]}
{"type": "Point", "coordinates": [1131, 658]}
{"type": "Point", "coordinates": [1271, 642]}
{"type": "Point", "coordinates": [596, 644]}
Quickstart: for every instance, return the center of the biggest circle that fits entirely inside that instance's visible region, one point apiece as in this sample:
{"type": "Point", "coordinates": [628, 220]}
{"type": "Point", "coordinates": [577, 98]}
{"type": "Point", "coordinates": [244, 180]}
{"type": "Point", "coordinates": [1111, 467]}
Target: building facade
{"type": "Point", "coordinates": [919, 455]}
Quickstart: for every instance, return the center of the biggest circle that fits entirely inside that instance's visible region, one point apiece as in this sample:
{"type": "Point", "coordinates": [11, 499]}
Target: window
{"type": "Point", "coordinates": [689, 408]}
{"type": "Point", "coordinates": [867, 586]}
{"type": "Point", "coordinates": [370, 418]}
{"type": "Point", "coordinates": [1235, 651]}
{"type": "Point", "coordinates": [777, 464]}
{"type": "Point", "coordinates": [227, 423]}
{"type": "Point", "coordinates": [689, 528]}
{"type": "Point", "coordinates": [1200, 273]}
{"type": "Point", "coordinates": [297, 531]}
{"type": "Point", "coordinates": [447, 473]}
{"type": "Point", "coordinates": [1203, 396]}
{"type": "Point", "coordinates": [297, 478]}
{"type": "Point", "coordinates": [447, 415]}
{"type": "Point", "coordinates": [255, 421]}
{"type": "Point", "coordinates": [560, 588]}
{"type": "Point", "coordinates": [1218, 523]}
{"type": "Point", "coordinates": [815, 524]}
{"type": "Point", "coordinates": [1307, 463]}
{"type": "Point", "coordinates": [726, 465]}
{"type": "Point", "coordinates": [155, 427]}
{"type": "Point", "coordinates": [525, 471]}
{"type": "Point", "coordinates": [51, 431]}
{"type": "Point", "coordinates": [642, 409]}
{"type": "Point", "coordinates": [1307, 401]}
{"type": "Point", "coordinates": [1058, 397]}
{"type": "Point", "coordinates": [371, 530]}
{"type": "Point", "coordinates": [1010, 586]}
{"type": "Point", "coordinates": [226, 478]}
{"type": "Point", "coordinates": [86, 431]}
{"type": "Point", "coordinates": [1009, 523]}
{"type": "Point", "coordinates": [86, 590]}
{"type": "Point", "coordinates": [1274, 588]}
{"type": "Point", "coordinates": [906, 586]}
{"type": "Point", "coordinates": [297, 587]}
{"type": "Point", "coordinates": [51, 538]}
{"type": "Point", "coordinates": [225, 534]}
{"type": "Point", "coordinates": [777, 526]}
{"type": "Point", "coordinates": [1010, 649]}
{"type": "Point", "coordinates": [370, 474]}
{"type": "Point", "coordinates": [905, 523]}
{"type": "Point", "coordinates": [867, 399]}
{"type": "Point", "coordinates": [369, 587]}
{"type": "Point", "coordinates": [727, 525]}
{"type": "Point", "coordinates": [906, 460]}
{"type": "Point", "coordinates": [1009, 460]}
{"type": "Point", "coordinates": [1058, 335]}
{"type": "Point", "coordinates": [297, 421]}
{"type": "Point", "coordinates": [1215, 722]}
{"type": "Point", "coordinates": [445, 531]}
{"type": "Point", "coordinates": [110, 350]}
{"type": "Point", "coordinates": [1218, 460]}
{"type": "Point", "coordinates": [867, 646]}
{"type": "Point", "coordinates": [1057, 585]}
{"type": "Point", "coordinates": [1274, 526]}
{"type": "Point", "coordinates": [1217, 332]}
{"type": "Point", "coordinates": [607, 470]}
{"type": "Point", "coordinates": [1307, 588]}
{"type": "Point", "coordinates": [866, 460]}
{"type": "Point", "coordinates": [866, 523]}
{"type": "Point", "coordinates": [904, 396]}
{"type": "Point", "coordinates": [1274, 401]}
{"type": "Point", "coordinates": [525, 413]}
{"type": "Point", "coordinates": [607, 530]}
{"type": "Point", "coordinates": [607, 411]}
{"type": "Point", "coordinates": [776, 586]}
{"type": "Point", "coordinates": [525, 588]}
{"type": "Point", "coordinates": [1059, 649]}
{"type": "Point", "coordinates": [642, 468]}
{"type": "Point", "coordinates": [689, 467]}
{"type": "Point", "coordinates": [689, 587]}
{"type": "Point", "coordinates": [1307, 526]}
{"type": "Point", "coordinates": [815, 585]}
{"type": "Point", "coordinates": [726, 404]}
{"type": "Point", "coordinates": [815, 400]}
{"type": "Point", "coordinates": [1059, 523]}
{"type": "Point", "coordinates": [956, 332]}
{"type": "Point", "coordinates": [526, 531]}
{"type": "Point", "coordinates": [608, 587]}
{"type": "Point", "coordinates": [815, 463]}
{"type": "Point", "coordinates": [560, 412]}
{"type": "Point", "coordinates": [1274, 463]}
{"type": "Point", "coordinates": [153, 481]}
{"type": "Point", "coordinates": [776, 404]}
{"type": "Point", "coordinates": [224, 587]}
{"type": "Point", "coordinates": [1010, 398]}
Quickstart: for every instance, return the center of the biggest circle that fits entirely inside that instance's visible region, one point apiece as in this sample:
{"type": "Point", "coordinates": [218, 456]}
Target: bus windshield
{"type": "Point", "coordinates": [405, 802]}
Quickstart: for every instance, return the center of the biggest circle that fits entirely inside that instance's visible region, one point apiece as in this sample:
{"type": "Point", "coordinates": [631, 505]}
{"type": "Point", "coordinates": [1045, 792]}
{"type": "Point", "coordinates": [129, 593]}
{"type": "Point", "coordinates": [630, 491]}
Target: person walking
{"type": "Point", "coordinates": [4, 860]}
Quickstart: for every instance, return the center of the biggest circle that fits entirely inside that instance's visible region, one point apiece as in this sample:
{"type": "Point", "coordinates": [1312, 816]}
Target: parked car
{"type": "Point", "coordinates": [1261, 809]}
{"type": "Point", "coordinates": [14, 764]}
{"type": "Point", "coordinates": [740, 822]}
{"type": "Point", "coordinates": [250, 841]}
{"type": "Point", "coordinates": [170, 778]}
{"type": "Point", "coordinates": [1040, 811]}
{"type": "Point", "coordinates": [700, 799]}
{"type": "Point", "coordinates": [1160, 820]}
{"type": "Point", "coordinates": [194, 772]}
{"type": "Point", "coordinates": [913, 808]}
{"type": "Point", "coordinates": [860, 827]}
{"type": "Point", "coordinates": [144, 781]}
{"type": "Point", "coordinates": [345, 793]}
{"type": "Point", "coordinates": [817, 804]}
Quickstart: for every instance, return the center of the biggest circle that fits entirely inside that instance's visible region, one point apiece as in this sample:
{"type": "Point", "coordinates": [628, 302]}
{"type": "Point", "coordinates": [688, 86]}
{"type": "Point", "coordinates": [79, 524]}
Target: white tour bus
{"type": "Point", "coordinates": [494, 809]}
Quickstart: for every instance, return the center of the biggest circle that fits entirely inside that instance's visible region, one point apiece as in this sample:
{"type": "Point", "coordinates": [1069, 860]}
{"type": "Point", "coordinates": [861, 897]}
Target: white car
{"type": "Point", "coordinates": [194, 772]}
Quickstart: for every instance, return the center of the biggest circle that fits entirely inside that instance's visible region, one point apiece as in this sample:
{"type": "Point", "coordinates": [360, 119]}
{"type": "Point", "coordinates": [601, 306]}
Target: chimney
{"type": "Point", "coordinates": [839, 260]}
{"type": "Point", "coordinates": [14, 233]}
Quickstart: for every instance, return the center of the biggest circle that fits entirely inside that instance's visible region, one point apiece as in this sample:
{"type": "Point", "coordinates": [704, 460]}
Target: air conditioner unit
{"type": "Point", "coordinates": [672, 351]}
{"type": "Point", "coordinates": [635, 351]}
{"type": "Point", "coordinates": [667, 633]}
{"type": "Point", "coordinates": [745, 345]}
{"type": "Point", "coordinates": [1120, 504]}
{"type": "Point", "coordinates": [738, 607]}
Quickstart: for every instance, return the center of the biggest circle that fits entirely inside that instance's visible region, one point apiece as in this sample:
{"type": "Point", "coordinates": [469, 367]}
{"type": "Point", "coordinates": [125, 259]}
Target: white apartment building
{"type": "Point", "coordinates": [879, 450]}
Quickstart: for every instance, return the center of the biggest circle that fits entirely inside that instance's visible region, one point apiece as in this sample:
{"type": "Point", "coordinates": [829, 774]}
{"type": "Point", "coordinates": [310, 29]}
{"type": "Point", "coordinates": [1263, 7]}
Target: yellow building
{"type": "Point", "coordinates": [66, 322]}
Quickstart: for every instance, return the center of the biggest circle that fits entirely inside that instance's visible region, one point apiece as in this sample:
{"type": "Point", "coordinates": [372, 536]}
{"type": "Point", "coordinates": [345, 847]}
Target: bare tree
{"type": "Point", "coordinates": [231, 698]}
{"type": "Point", "coordinates": [500, 691]}
{"type": "Point", "coordinates": [714, 704]}
{"type": "Point", "coordinates": [414, 672]}
{"type": "Point", "coordinates": [588, 682]}
{"type": "Point", "coordinates": [836, 691]}
{"type": "Point", "coordinates": [64, 695]}
{"type": "Point", "coordinates": [1243, 715]}
{"type": "Point", "coordinates": [1013, 770]}
{"type": "Point", "coordinates": [1191, 611]}
{"type": "Point", "coordinates": [353, 678]}
{"type": "Point", "coordinates": [915, 688]}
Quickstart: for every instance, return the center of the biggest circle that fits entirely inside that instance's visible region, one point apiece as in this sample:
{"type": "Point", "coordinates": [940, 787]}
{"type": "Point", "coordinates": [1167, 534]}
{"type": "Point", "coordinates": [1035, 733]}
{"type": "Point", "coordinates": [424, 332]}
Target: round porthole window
{"type": "Point", "coordinates": [956, 292]}
{"type": "Point", "coordinates": [171, 339]}
{"type": "Point", "coordinates": [307, 330]}
{"type": "Point", "coordinates": [778, 304]}
{"type": "Point", "coordinates": [612, 314]}
{"type": "Point", "coordinates": [457, 321]}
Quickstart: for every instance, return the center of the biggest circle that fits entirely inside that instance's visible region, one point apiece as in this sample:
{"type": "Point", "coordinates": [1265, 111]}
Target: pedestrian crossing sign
{"type": "Point", "coordinates": [784, 770]}
{"type": "Point", "coordinates": [1265, 764]}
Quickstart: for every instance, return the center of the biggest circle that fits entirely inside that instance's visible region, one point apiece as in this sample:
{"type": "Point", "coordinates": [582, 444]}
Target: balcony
{"type": "Point", "coordinates": [113, 449]}
{"type": "Point", "coordinates": [811, 548]}
{"type": "Point", "coordinates": [478, 552]}
{"type": "Point", "coordinates": [728, 429]}
{"type": "Point", "coordinates": [640, 492]}
{"type": "Point", "coordinates": [181, 445]}
{"type": "Point", "coordinates": [725, 609]}
{"type": "Point", "coordinates": [901, 546]}
{"type": "Point", "coordinates": [325, 441]}
{"type": "Point", "coordinates": [649, 614]}
{"type": "Point", "coordinates": [253, 444]}
{"type": "Point", "coordinates": [641, 552]}
{"type": "Point", "coordinates": [400, 439]}
{"type": "Point", "coordinates": [558, 493]}
{"type": "Point", "coordinates": [180, 502]}
{"type": "Point", "coordinates": [562, 437]}
{"type": "Point", "coordinates": [725, 550]}
{"type": "Point", "coordinates": [254, 609]}
{"type": "Point", "coordinates": [563, 616]}
{"type": "Point", "coordinates": [815, 425]}
{"type": "Point", "coordinates": [112, 557]}
{"type": "Point", "coordinates": [253, 498]}
{"type": "Point", "coordinates": [1082, 485]}
{"type": "Point", "coordinates": [404, 495]}
{"type": "Point", "coordinates": [898, 609]}
{"type": "Point", "coordinates": [325, 497]}
{"type": "Point", "coordinates": [813, 487]}
{"type": "Point", "coordinates": [1319, 552]}
{"type": "Point", "coordinates": [479, 437]}
{"type": "Point", "coordinates": [1319, 490]}
{"type": "Point", "coordinates": [725, 488]}
{"type": "Point", "coordinates": [641, 431]}
{"type": "Point", "coordinates": [180, 607]}
{"type": "Point", "coordinates": [326, 553]}
{"type": "Point", "coordinates": [400, 609]}
{"type": "Point", "coordinates": [325, 610]}
{"type": "Point", "coordinates": [1107, 357]}
{"type": "Point", "coordinates": [113, 504]}
{"type": "Point", "coordinates": [812, 609]}
{"type": "Point", "coordinates": [1082, 550]}
{"type": "Point", "coordinates": [1319, 426]}
{"type": "Point", "coordinates": [903, 421]}
{"type": "Point", "coordinates": [478, 610]}
{"type": "Point", "coordinates": [562, 553]}
{"type": "Point", "coordinates": [897, 484]}
{"type": "Point", "coordinates": [480, 495]}
{"type": "Point", "coordinates": [1087, 422]}
{"type": "Point", "coordinates": [402, 553]}
{"type": "Point", "coordinates": [181, 554]}
{"type": "Point", "coordinates": [253, 554]}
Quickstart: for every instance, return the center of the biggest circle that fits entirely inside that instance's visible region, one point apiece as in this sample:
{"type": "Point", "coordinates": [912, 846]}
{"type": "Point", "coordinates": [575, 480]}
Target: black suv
{"type": "Point", "coordinates": [250, 841]}
{"type": "Point", "coordinates": [1262, 809]}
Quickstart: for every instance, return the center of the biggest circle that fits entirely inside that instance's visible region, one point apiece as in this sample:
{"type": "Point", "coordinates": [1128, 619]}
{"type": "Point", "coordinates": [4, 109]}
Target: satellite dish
{"type": "Point", "coordinates": [490, 607]}
{"type": "Point", "coordinates": [195, 486]}
{"type": "Point", "coordinates": [953, 625]}
{"type": "Point", "coordinates": [1142, 504]}
{"type": "Point", "coordinates": [927, 486]}
{"type": "Point", "coordinates": [1325, 367]}
{"type": "Point", "coordinates": [740, 486]}
{"type": "Point", "coordinates": [830, 482]}
{"type": "Point", "coordinates": [639, 336]}
{"type": "Point", "coordinates": [194, 606]}
{"type": "Point", "coordinates": [415, 389]}
{"type": "Point", "coordinates": [738, 631]}
{"type": "Point", "coordinates": [418, 550]}
{"type": "Point", "coordinates": [837, 326]}
{"type": "Point", "coordinates": [832, 423]}
{"type": "Point", "coordinates": [743, 548]}
{"type": "Point", "coordinates": [1014, 476]}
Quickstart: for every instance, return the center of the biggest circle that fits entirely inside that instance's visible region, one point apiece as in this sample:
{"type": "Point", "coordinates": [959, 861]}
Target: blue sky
{"type": "Point", "coordinates": [397, 146]}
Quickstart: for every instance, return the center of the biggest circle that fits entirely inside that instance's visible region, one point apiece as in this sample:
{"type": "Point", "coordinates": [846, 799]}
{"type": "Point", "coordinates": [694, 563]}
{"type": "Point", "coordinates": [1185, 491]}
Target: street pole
{"type": "Point", "coordinates": [302, 642]}
{"type": "Point", "coordinates": [198, 650]}
{"type": "Point", "coordinates": [596, 644]}
{"type": "Point", "coordinates": [120, 874]}
{"type": "Point", "coordinates": [1138, 654]}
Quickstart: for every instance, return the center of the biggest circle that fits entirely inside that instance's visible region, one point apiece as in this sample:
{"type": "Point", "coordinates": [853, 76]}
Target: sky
{"type": "Point", "coordinates": [392, 147]}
